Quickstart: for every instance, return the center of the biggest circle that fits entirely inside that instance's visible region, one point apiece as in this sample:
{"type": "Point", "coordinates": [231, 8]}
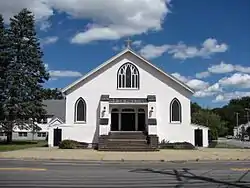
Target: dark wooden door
{"type": "Point", "coordinates": [141, 122]}
{"type": "Point", "coordinates": [114, 122]}
{"type": "Point", "coordinates": [128, 122]}
{"type": "Point", "coordinates": [198, 137]}
{"type": "Point", "coordinates": [57, 136]}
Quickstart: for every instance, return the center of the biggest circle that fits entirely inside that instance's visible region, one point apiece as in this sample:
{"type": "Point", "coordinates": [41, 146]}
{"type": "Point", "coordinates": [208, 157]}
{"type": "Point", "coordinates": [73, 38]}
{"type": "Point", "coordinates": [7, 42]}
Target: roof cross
{"type": "Point", "coordinates": [128, 41]}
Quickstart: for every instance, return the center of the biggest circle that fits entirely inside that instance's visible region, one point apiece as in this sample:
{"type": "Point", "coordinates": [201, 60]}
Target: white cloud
{"type": "Point", "coordinates": [202, 88]}
{"type": "Point", "coordinates": [197, 85]}
{"type": "Point", "coordinates": [64, 73]}
{"type": "Point", "coordinates": [209, 91]}
{"type": "Point", "coordinates": [111, 19]}
{"type": "Point", "coordinates": [181, 51]}
{"type": "Point", "coordinates": [44, 26]}
{"type": "Point", "coordinates": [180, 77]}
{"type": "Point", "coordinates": [49, 40]}
{"type": "Point", "coordinates": [237, 80]}
{"type": "Point", "coordinates": [204, 74]}
{"type": "Point", "coordinates": [116, 19]}
{"type": "Point", "coordinates": [209, 47]}
{"type": "Point", "coordinates": [231, 95]}
{"type": "Point", "coordinates": [40, 8]}
{"type": "Point", "coordinates": [150, 51]}
{"type": "Point", "coordinates": [241, 68]}
{"type": "Point", "coordinates": [221, 68]}
{"type": "Point", "coordinates": [55, 74]}
{"type": "Point", "coordinates": [137, 43]}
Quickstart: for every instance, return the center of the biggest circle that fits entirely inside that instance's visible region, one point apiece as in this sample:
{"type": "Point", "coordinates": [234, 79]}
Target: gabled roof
{"type": "Point", "coordinates": [55, 108]}
{"type": "Point", "coordinates": [118, 55]}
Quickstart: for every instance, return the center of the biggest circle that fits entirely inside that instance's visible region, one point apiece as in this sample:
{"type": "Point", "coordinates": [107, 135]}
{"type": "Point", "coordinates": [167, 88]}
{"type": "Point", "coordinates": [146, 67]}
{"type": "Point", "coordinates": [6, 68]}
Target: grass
{"type": "Point", "coordinates": [17, 145]}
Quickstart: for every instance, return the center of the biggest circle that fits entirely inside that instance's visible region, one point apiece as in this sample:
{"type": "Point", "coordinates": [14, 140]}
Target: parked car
{"type": "Point", "coordinates": [246, 138]}
{"type": "Point", "coordinates": [229, 137]}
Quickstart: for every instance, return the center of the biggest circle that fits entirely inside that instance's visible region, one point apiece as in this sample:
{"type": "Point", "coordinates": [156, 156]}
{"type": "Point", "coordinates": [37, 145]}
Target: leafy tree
{"type": "Point", "coordinates": [25, 76]}
{"type": "Point", "coordinates": [52, 94]}
{"type": "Point", "coordinates": [195, 107]}
{"type": "Point", "coordinates": [211, 120]}
{"type": "Point", "coordinates": [3, 61]}
{"type": "Point", "coordinates": [228, 112]}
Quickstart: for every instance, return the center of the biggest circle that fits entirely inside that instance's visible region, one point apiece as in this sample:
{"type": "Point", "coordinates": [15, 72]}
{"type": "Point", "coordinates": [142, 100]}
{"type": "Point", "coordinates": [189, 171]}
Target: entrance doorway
{"type": "Point", "coordinates": [198, 137]}
{"type": "Point", "coordinates": [128, 119]}
{"type": "Point", "coordinates": [128, 122]}
{"type": "Point", "coordinates": [57, 136]}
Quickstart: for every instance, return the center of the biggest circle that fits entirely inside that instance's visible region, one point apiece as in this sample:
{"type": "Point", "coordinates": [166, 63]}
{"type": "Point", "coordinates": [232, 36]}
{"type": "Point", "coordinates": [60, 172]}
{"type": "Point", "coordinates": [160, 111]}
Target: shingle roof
{"type": "Point", "coordinates": [56, 108]}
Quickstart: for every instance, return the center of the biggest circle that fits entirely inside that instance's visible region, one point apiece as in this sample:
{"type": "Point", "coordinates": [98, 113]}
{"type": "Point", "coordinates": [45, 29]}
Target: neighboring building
{"type": "Point", "coordinates": [55, 116]}
{"type": "Point", "coordinates": [127, 101]}
{"type": "Point", "coordinates": [238, 130]}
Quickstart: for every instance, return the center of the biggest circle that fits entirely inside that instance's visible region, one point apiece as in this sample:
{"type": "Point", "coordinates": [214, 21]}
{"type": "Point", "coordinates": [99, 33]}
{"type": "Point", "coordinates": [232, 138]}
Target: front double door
{"type": "Point", "coordinates": [128, 120]}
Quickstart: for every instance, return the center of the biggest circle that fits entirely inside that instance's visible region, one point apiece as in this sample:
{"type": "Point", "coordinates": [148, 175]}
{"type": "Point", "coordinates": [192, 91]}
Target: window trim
{"type": "Point", "coordinates": [85, 112]}
{"type": "Point", "coordinates": [171, 111]}
{"type": "Point", "coordinates": [138, 78]}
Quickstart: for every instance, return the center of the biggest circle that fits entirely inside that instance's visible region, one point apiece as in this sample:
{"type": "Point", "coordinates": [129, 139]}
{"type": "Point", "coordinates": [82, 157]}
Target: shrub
{"type": "Point", "coordinates": [68, 144]}
{"type": "Point", "coordinates": [177, 145]}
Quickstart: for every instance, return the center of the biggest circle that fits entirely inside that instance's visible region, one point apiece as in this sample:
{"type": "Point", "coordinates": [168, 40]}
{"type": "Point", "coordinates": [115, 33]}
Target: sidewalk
{"type": "Point", "coordinates": [163, 155]}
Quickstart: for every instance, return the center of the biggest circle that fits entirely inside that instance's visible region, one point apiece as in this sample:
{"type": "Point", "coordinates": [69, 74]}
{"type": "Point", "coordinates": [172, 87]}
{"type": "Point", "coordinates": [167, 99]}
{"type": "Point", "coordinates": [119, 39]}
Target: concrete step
{"type": "Point", "coordinates": [127, 135]}
{"type": "Point", "coordinates": [129, 149]}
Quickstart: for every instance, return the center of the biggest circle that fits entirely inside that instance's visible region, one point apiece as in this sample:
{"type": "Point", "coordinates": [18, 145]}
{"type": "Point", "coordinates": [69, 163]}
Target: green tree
{"type": "Point", "coordinates": [52, 94]}
{"type": "Point", "coordinates": [3, 61]}
{"type": "Point", "coordinates": [25, 76]}
{"type": "Point", "coordinates": [228, 112]}
{"type": "Point", "coordinates": [211, 120]}
{"type": "Point", "coordinates": [195, 107]}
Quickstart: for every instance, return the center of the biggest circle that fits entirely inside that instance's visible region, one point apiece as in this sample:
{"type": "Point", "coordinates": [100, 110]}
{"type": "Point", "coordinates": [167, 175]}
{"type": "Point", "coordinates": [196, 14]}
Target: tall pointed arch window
{"type": "Point", "coordinates": [128, 76]}
{"type": "Point", "coordinates": [175, 111]}
{"type": "Point", "coordinates": [80, 110]}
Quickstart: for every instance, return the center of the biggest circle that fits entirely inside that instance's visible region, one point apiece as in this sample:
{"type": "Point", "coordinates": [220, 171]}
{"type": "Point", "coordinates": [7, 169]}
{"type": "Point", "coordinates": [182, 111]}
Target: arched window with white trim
{"type": "Point", "coordinates": [175, 111]}
{"type": "Point", "coordinates": [80, 110]}
{"type": "Point", "coordinates": [128, 76]}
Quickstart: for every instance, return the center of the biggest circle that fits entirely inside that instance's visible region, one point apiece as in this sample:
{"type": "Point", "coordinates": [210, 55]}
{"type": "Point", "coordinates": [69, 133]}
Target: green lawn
{"type": "Point", "coordinates": [16, 145]}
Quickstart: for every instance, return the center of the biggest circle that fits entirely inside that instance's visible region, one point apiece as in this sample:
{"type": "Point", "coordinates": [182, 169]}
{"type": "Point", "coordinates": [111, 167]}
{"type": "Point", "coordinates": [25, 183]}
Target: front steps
{"type": "Point", "coordinates": [127, 141]}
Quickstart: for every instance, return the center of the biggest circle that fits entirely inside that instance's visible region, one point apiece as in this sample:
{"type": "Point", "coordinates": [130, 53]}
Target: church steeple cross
{"type": "Point", "coordinates": [129, 42]}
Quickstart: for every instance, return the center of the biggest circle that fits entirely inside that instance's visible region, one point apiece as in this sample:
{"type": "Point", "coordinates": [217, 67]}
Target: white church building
{"type": "Point", "coordinates": [127, 102]}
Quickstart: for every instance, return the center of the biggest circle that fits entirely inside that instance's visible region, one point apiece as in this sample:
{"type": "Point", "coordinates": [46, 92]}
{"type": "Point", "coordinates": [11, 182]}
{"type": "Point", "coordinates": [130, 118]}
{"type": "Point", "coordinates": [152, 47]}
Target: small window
{"type": "Point", "coordinates": [22, 134]}
{"type": "Point", "coordinates": [3, 134]}
{"type": "Point", "coordinates": [41, 134]}
{"type": "Point", "coordinates": [80, 110]}
{"type": "Point", "coordinates": [175, 111]}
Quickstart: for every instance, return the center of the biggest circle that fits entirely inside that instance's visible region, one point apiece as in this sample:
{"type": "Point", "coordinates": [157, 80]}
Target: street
{"type": "Point", "coordinates": [234, 142]}
{"type": "Point", "coordinates": [61, 173]}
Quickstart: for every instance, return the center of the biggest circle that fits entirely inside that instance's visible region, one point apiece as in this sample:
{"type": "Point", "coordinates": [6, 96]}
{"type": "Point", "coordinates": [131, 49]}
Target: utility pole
{"type": "Point", "coordinates": [237, 122]}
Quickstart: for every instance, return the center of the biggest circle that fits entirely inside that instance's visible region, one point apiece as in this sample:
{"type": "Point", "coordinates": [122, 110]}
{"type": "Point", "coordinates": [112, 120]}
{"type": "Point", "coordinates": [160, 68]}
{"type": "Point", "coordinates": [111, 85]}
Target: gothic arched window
{"type": "Point", "coordinates": [175, 111]}
{"type": "Point", "coordinates": [128, 76]}
{"type": "Point", "coordinates": [80, 110]}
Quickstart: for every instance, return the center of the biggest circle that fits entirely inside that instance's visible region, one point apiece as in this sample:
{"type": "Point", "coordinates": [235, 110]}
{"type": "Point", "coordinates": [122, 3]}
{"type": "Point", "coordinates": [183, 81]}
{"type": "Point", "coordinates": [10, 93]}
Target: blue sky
{"type": "Point", "coordinates": [204, 43]}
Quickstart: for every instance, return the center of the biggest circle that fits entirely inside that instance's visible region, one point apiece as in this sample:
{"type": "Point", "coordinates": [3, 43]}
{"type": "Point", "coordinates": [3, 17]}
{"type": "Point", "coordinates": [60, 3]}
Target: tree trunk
{"type": "Point", "coordinates": [9, 137]}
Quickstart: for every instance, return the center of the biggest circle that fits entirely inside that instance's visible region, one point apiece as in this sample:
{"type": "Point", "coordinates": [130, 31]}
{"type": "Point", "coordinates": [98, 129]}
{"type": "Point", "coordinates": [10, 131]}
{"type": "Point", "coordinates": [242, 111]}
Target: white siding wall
{"type": "Point", "coordinates": [106, 83]}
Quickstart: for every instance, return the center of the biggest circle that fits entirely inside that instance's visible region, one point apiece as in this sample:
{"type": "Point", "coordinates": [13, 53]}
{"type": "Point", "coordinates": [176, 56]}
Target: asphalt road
{"type": "Point", "coordinates": [238, 143]}
{"type": "Point", "coordinates": [21, 173]}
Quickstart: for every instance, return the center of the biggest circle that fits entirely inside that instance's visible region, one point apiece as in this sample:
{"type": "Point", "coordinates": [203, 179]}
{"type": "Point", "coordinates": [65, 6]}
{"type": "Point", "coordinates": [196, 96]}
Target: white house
{"type": "Point", "coordinates": [55, 115]}
{"type": "Point", "coordinates": [128, 99]}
